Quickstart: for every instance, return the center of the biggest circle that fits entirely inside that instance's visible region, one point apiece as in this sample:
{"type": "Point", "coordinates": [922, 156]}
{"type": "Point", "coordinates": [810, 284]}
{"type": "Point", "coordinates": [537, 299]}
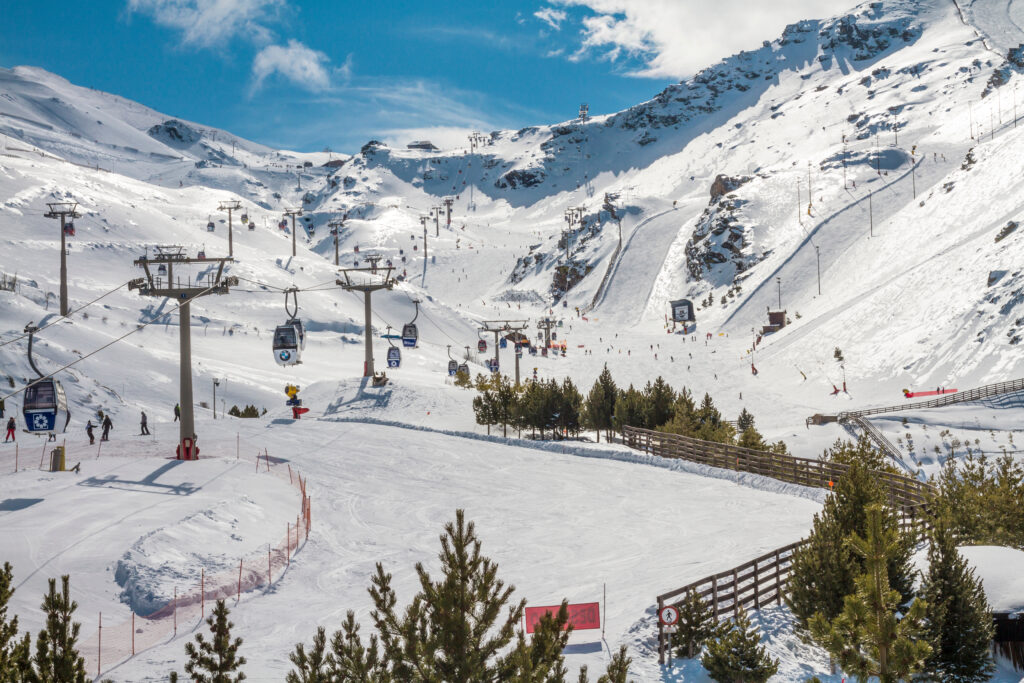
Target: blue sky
{"type": "Point", "coordinates": [309, 74]}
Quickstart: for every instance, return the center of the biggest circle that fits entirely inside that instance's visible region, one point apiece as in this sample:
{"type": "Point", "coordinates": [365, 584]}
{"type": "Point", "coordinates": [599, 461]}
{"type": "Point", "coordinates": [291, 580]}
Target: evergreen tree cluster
{"type": "Point", "coordinates": [852, 591]}
{"type": "Point", "coordinates": [247, 411]}
{"type": "Point", "coordinates": [559, 410]}
{"type": "Point", "coordinates": [982, 500]}
{"type": "Point", "coordinates": [462, 626]}
{"type": "Point", "coordinates": [860, 452]}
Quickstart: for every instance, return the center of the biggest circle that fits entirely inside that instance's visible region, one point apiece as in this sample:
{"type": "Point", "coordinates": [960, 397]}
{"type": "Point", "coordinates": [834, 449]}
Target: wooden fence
{"type": "Point", "coordinates": [948, 399]}
{"type": "Point", "coordinates": [904, 493]}
{"type": "Point", "coordinates": [764, 579]}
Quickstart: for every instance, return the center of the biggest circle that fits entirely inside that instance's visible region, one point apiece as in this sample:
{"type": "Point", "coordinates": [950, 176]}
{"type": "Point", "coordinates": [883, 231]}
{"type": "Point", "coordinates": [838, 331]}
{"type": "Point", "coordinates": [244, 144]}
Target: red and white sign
{"type": "Point", "coordinates": [668, 616]}
{"type": "Point", "coordinates": [583, 616]}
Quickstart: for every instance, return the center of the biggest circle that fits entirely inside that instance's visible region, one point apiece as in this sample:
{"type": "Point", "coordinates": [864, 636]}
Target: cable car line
{"type": "Point", "coordinates": [61, 317]}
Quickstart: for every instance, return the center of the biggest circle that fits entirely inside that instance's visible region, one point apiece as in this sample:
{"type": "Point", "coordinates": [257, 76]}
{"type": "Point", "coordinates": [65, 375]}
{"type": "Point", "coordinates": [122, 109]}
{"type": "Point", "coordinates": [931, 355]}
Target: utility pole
{"type": "Point", "coordinates": [895, 130]}
{"type": "Point", "coordinates": [970, 109]}
{"type": "Point", "coordinates": [871, 217]}
{"type": "Point", "coordinates": [335, 226]}
{"type": "Point", "coordinates": [423, 222]}
{"type": "Point", "coordinates": [799, 214]}
{"type": "Point", "coordinates": [63, 211]}
{"type": "Point", "coordinates": [844, 161]}
{"type": "Point", "coordinates": [817, 255]}
{"type": "Point", "coordinates": [216, 383]}
{"type": "Point", "coordinates": [584, 112]}
{"type": "Point", "coordinates": [448, 201]}
{"type": "Point", "coordinates": [373, 260]}
{"type": "Point", "coordinates": [1014, 106]}
{"type": "Point", "coordinates": [229, 206]}
{"type": "Point", "coordinates": [810, 196]}
{"type": "Point", "coordinates": [913, 169]}
{"type": "Point", "coordinates": [778, 281]}
{"type": "Point", "coordinates": [216, 283]}
{"type": "Point", "coordinates": [293, 213]}
{"type": "Point", "coordinates": [499, 326]}
{"type": "Point", "coordinates": [366, 285]}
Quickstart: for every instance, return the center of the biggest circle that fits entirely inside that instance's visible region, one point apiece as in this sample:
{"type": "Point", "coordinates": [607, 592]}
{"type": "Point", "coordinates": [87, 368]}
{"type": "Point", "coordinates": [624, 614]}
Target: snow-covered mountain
{"type": "Point", "coordinates": [860, 173]}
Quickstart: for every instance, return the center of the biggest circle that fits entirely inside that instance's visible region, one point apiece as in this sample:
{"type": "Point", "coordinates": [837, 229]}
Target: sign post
{"type": "Point", "coordinates": [668, 622]}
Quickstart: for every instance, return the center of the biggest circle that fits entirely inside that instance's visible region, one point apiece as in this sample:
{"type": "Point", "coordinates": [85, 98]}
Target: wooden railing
{"type": "Point", "coordinates": [948, 399]}
{"type": "Point", "coordinates": [904, 493]}
{"type": "Point", "coordinates": [764, 579]}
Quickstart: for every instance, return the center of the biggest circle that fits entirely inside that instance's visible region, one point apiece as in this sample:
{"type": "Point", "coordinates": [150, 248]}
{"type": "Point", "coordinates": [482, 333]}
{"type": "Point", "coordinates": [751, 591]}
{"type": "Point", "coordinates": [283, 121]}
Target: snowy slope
{"type": "Point", "coordinates": [921, 285]}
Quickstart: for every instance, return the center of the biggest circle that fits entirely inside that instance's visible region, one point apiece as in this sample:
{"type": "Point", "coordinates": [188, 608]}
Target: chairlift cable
{"type": "Point", "coordinates": [139, 328]}
{"type": "Point", "coordinates": [61, 317]}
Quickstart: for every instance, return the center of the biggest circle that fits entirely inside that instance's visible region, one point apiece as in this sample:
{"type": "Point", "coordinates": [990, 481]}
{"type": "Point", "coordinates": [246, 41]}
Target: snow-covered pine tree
{"type": "Point", "coordinates": [959, 621]}
{"type": "Point", "coordinates": [313, 666]}
{"type": "Point", "coordinates": [215, 660]}
{"type": "Point", "coordinates": [737, 655]}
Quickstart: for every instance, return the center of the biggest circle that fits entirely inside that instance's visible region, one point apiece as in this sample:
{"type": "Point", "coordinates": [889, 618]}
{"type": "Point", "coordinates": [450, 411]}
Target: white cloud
{"type": "Point", "coordinates": [212, 23]}
{"type": "Point", "coordinates": [551, 16]}
{"type": "Point", "coordinates": [676, 38]}
{"type": "Point", "coordinates": [302, 65]}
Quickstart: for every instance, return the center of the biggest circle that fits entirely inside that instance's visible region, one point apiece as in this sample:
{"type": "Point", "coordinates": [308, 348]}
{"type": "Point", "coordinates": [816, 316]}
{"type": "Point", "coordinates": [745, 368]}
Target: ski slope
{"type": "Point", "coordinates": [915, 184]}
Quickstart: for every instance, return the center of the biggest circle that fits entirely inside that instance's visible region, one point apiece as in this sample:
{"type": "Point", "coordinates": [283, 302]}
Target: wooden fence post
{"type": "Point", "coordinates": [757, 596]}
{"type": "Point", "coordinates": [778, 583]}
{"type": "Point", "coordinates": [714, 597]}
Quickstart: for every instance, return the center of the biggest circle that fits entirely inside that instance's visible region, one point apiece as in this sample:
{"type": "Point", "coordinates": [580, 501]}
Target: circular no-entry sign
{"type": "Point", "coordinates": [668, 615]}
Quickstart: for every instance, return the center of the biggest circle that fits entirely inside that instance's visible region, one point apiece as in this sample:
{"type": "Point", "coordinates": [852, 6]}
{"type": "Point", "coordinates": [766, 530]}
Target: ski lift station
{"type": "Point", "coordinates": [682, 311]}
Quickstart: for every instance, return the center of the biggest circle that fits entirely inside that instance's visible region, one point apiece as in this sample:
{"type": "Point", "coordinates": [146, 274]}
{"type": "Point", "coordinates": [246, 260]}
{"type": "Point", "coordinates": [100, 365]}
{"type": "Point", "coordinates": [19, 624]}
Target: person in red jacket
{"type": "Point", "coordinates": [11, 425]}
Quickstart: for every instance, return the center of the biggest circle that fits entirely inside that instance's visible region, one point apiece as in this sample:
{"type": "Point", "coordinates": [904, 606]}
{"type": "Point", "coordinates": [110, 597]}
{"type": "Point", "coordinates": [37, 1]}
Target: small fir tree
{"type": "Point", "coordinates": [56, 658]}
{"type": "Point", "coordinates": [959, 620]}
{"type": "Point", "coordinates": [15, 651]}
{"type": "Point", "coordinates": [350, 661]}
{"type": "Point", "coordinates": [745, 421]}
{"type": "Point", "coordinates": [611, 394]}
{"type": "Point", "coordinates": [660, 399]}
{"type": "Point", "coordinates": [594, 415]}
{"type": "Point", "coordinates": [215, 660]}
{"type": "Point", "coordinates": [696, 625]}
{"type": "Point", "coordinates": [737, 655]}
{"type": "Point", "coordinates": [314, 666]}
{"type": "Point", "coordinates": [868, 639]}
{"type": "Point", "coordinates": [540, 659]}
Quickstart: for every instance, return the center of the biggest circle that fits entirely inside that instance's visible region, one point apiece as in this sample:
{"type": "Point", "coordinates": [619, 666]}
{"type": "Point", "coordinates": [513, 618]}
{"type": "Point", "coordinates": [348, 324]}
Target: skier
{"type": "Point", "coordinates": [107, 426]}
{"type": "Point", "coordinates": [10, 430]}
{"type": "Point", "coordinates": [144, 430]}
{"type": "Point", "coordinates": [89, 426]}
{"type": "Point", "coordinates": [177, 412]}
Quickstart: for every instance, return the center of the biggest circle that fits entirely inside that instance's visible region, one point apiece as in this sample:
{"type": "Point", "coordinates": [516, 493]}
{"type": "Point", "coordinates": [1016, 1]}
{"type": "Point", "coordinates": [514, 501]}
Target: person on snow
{"type": "Point", "coordinates": [89, 426]}
{"type": "Point", "coordinates": [177, 412]}
{"type": "Point", "coordinates": [11, 425]}
{"type": "Point", "coordinates": [143, 429]}
{"type": "Point", "coordinates": [107, 426]}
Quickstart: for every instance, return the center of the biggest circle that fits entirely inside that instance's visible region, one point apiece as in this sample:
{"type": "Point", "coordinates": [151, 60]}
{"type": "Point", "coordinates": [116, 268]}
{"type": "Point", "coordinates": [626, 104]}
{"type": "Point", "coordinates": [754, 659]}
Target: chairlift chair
{"type": "Point", "coordinates": [45, 407]}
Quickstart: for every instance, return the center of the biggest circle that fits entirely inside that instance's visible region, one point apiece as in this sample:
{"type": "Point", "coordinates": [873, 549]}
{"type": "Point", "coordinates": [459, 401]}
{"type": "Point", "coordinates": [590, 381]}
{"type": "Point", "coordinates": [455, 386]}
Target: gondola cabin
{"type": "Point", "coordinates": [69, 229]}
{"type": "Point", "coordinates": [410, 335]}
{"type": "Point", "coordinates": [245, 218]}
{"type": "Point", "coordinates": [502, 343]}
{"type": "Point", "coordinates": [300, 330]}
{"type": "Point", "coordinates": [252, 225]}
{"type": "Point", "coordinates": [210, 227]}
{"type": "Point", "coordinates": [45, 407]}
{"type": "Point", "coordinates": [464, 369]}
{"type": "Point", "coordinates": [286, 345]}
{"type": "Point", "coordinates": [394, 357]}
{"type": "Point", "coordinates": [453, 367]}
{"type": "Point", "coordinates": [201, 255]}
{"type": "Point", "coordinates": [481, 346]}
{"type": "Point", "coordinates": [161, 269]}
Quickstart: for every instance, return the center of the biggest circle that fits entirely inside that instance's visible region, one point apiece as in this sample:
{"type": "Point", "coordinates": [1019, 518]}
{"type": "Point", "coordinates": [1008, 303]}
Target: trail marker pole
{"type": "Point", "coordinates": [288, 546]}
{"type": "Point", "coordinates": [175, 610]}
{"type": "Point", "coordinates": [99, 647]}
{"type": "Point", "coordinates": [133, 633]}
{"type": "Point", "coordinates": [270, 569]}
{"type": "Point", "coordinates": [871, 216]}
{"type": "Point", "coordinates": [202, 592]}
{"type": "Point", "coordinates": [817, 254]}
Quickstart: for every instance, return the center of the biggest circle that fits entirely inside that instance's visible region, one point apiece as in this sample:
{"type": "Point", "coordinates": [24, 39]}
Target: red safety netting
{"type": "Point", "coordinates": [104, 645]}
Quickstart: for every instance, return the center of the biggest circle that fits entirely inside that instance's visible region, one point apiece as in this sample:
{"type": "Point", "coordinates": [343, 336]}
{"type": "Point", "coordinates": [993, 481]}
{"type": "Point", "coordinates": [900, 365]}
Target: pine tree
{"type": "Point", "coordinates": [745, 421]}
{"type": "Point", "coordinates": [611, 395]}
{"type": "Point", "coordinates": [825, 568]}
{"type": "Point", "coordinates": [660, 399]}
{"type": "Point", "coordinates": [314, 666]}
{"type": "Point", "coordinates": [15, 652]}
{"type": "Point", "coordinates": [56, 658]}
{"type": "Point", "coordinates": [594, 416]}
{"type": "Point", "coordinates": [568, 411]}
{"type": "Point", "coordinates": [453, 629]}
{"type": "Point", "coordinates": [959, 620]}
{"type": "Point", "coordinates": [618, 668]}
{"type": "Point", "coordinates": [696, 625]}
{"type": "Point", "coordinates": [215, 660]}
{"type": "Point", "coordinates": [737, 655]}
{"type": "Point", "coordinates": [867, 638]}
{"type": "Point", "coordinates": [630, 409]}
{"type": "Point", "coordinates": [862, 452]}
{"type": "Point", "coordinates": [751, 438]}
{"type": "Point", "coordinates": [684, 415]}
{"type": "Point", "coordinates": [350, 661]}
{"type": "Point", "coordinates": [484, 409]}
{"type": "Point", "coordinates": [540, 659]}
